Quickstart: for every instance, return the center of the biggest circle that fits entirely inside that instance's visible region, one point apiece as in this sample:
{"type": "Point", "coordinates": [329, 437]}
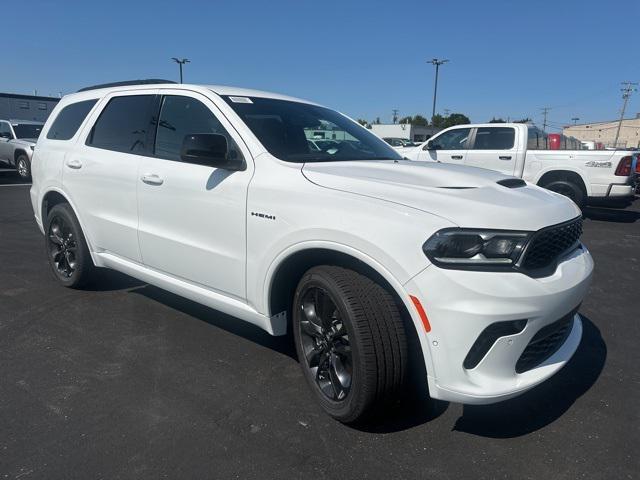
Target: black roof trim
{"type": "Point", "coordinates": [147, 81]}
{"type": "Point", "coordinates": [19, 96]}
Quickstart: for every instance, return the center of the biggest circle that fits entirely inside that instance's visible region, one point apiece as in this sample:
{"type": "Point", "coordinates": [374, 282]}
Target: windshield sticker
{"type": "Point", "coordinates": [240, 99]}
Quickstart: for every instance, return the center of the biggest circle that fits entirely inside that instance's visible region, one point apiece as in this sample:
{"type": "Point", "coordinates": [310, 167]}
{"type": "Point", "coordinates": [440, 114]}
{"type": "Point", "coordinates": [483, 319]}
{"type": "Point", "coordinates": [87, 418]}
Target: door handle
{"type": "Point", "coordinates": [152, 179]}
{"type": "Point", "coordinates": [505, 157]}
{"type": "Point", "coordinates": [456, 157]}
{"type": "Point", "coordinates": [74, 163]}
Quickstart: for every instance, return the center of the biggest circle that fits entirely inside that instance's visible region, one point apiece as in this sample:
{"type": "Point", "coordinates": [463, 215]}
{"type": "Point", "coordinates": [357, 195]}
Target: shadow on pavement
{"type": "Point", "coordinates": [546, 402]}
{"type": "Point", "coordinates": [611, 215]}
{"type": "Point", "coordinates": [283, 344]}
{"type": "Point", "coordinates": [9, 176]}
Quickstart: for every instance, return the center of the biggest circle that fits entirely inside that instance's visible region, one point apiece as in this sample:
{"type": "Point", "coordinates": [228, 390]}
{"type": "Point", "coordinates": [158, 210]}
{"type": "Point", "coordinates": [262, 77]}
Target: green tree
{"type": "Point", "coordinates": [456, 119]}
{"type": "Point", "coordinates": [419, 120]}
{"type": "Point", "coordinates": [497, 120]}
{"type": "Point", "coordinates": [362, 122]}
{"type": "Point", "coordinates": [407, 119]}
{"type": "Point", "coordinates": [523, 120]}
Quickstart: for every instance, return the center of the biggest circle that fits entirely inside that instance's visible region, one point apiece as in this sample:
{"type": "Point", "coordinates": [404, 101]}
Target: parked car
{"type": "Point", "coordinates": [377, 265]}
{"type": "Point", "coordinates": [523, 151]}
{"type": "Point", "coordinates": [399, 142]}
{"type": "Point", "coordinates": [17, 141]}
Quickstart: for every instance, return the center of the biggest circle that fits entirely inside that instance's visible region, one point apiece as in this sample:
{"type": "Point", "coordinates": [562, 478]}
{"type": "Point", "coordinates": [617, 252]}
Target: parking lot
{"type": "Point", "coordinates": [128, 381]}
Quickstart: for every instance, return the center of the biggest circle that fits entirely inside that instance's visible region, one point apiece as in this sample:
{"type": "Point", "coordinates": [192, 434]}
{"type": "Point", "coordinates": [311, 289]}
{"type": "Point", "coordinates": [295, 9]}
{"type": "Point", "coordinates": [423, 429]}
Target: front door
{"type": "Point", "coordinates": [447, 147]}
{"type": "Point", "coordinates": [193, 217]}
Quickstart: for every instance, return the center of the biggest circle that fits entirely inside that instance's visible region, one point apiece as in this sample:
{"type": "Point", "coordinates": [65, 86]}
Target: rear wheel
{"type": "Point", "coordinates": [23, 167]}
{"type": "Point", "coordinates": [569, 190]}
{"type": "Point", "coordinates": [350, 341]}
{"type": "Point", "coordinates": [67, 248]}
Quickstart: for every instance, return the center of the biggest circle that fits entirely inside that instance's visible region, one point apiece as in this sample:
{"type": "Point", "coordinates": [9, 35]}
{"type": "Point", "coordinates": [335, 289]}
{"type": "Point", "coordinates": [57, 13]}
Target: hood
{"type": "Point", "coordinates": [467, 196]}
{"type": "Point", "coordinates": [26, 141]}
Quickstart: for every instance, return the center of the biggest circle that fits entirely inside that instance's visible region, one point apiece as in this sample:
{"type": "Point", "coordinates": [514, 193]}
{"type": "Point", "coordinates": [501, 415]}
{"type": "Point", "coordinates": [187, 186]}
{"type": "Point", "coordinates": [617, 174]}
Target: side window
{"type": "Point", "coordinates": [532, 139]}
{"type": "Point", "coordinates": [182, 116]}
{"type": "Point", "coordinates": [69, 120]}
{"type": "Point", "coordinates": [5, 131]}
{"type": "Point", "coordinates": [494, 138]}
{"type": "Point", "coordinates": [451, 140]}
{"type": "Point", "coordinates": [123, 125]}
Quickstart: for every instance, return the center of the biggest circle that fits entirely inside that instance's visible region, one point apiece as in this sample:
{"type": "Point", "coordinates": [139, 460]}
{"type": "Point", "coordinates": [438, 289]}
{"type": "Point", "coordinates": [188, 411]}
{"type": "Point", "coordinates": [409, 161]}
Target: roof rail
{"type": "Point", "coordinates": [147, 81]}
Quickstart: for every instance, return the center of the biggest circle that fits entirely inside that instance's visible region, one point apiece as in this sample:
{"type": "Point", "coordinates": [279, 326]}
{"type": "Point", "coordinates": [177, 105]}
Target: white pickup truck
{"type": "Point", "coordinates": [522, 151]}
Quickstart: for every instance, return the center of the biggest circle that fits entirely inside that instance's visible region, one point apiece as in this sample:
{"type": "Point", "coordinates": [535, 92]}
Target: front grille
{"type": "Point", "coordinates": [545, 343]}
{"type": "Point", "coordinates": [549, 243]}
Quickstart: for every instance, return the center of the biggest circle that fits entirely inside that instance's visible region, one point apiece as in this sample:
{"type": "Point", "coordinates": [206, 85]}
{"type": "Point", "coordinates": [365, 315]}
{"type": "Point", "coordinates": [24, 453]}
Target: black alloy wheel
{"type": "Point", "coordinates": [66, 247]}
{"type": "Point", "coordinates": [62, 247]}
{"type": "Point", "coordinates": [325, 343]}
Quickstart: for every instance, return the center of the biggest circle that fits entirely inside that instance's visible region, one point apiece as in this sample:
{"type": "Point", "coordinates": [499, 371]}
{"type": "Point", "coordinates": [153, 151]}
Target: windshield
{"type": "Point", "coordinates": [299, 132]}
{"type": "Point", "coordinates": [27, 130]}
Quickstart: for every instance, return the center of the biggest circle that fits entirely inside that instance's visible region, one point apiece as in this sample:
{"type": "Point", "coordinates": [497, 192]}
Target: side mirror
{"type": "Point", "coordinates": [6, 135]}
{"type": "Point", "coordinates": [210, 149]}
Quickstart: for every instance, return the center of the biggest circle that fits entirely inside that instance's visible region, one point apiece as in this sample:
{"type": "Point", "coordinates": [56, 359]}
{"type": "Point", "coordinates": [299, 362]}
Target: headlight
{"type": "Point", "coordinates": [462, 248]}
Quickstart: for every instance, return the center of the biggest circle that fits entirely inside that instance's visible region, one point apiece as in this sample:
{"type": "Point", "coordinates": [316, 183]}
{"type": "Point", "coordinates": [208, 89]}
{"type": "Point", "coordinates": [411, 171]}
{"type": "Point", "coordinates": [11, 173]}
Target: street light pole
{"type": "Point", "coordinates": [437, 64]}
{"type": "Point", "coordinates": [180, 62]}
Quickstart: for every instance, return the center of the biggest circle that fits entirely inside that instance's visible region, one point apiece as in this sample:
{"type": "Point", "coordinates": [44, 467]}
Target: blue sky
{"type": "Point", "coordinates": [364, 58]}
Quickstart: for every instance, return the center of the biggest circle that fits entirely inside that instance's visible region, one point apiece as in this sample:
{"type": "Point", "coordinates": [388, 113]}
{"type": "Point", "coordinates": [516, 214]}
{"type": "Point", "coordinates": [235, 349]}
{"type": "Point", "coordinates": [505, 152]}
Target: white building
{"type": "Point", "coordinates": [415, 133]}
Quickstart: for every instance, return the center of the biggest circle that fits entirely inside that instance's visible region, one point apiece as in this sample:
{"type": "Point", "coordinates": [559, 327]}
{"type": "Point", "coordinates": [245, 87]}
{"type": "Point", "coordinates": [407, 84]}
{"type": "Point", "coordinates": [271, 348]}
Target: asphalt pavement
{"type": "Point", "coordinates": [128, 381]}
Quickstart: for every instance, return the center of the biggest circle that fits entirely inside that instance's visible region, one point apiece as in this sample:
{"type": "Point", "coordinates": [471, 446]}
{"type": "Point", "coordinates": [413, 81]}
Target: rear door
{"type": "Point", "coordinates": [493, 148]}
{"type": "Point", "coordinates": [101, 172]}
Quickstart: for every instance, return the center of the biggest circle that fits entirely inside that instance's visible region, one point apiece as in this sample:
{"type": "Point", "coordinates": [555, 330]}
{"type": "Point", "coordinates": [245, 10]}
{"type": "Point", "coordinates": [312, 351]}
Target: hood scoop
{"type": "Point", "coordinates": [512, 182]}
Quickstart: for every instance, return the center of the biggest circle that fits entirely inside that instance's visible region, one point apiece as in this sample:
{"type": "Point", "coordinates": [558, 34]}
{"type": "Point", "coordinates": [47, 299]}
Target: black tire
{"type": "Point", "coordinates": [66, 248]}
{"type": "Point", "coordinates": [375, 336]}
{"type": "Point", "coordinates": [569, 190]}
{"type": "Point", "coordinates": [23, 166]}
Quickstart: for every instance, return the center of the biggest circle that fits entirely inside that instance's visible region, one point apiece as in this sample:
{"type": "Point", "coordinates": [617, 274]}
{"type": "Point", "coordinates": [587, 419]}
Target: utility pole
{"type": "Point", "coordinates": [575, 120]}
{"type": "Point", "coordinates": [437, 64]}
{"type": "Point", "coordinates": [395, 115]}
{"type": "Point", "coordinates": [180, 62]}
{"type": "Point", "coordinates": [627, 89]}
{"type": "Point", "coordinates": [545, 110]}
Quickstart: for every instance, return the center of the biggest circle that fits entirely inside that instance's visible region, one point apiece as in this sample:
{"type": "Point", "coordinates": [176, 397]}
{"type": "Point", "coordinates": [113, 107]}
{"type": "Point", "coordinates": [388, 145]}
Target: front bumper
{"type": "Point", "coordinates": [461, 304]}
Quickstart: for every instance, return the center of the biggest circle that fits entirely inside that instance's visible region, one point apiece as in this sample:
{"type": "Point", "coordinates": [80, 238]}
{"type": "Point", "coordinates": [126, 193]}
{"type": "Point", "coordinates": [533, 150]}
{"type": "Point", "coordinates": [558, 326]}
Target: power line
{"type": "Point", "coordinates": [627, 90]}
{"type": "Point", "coordinates": [545, 111]}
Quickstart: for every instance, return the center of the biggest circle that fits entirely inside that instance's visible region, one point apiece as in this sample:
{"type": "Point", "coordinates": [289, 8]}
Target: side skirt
{"type": "Point", "coordinates": [276, 325]}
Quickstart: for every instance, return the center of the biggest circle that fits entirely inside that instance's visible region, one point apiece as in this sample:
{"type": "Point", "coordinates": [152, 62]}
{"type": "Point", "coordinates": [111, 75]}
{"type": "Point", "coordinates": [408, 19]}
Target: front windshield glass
{"type": "Point", "coordinates": [299, 132]}
{"type": "Point", "coordinates": [27, 130]}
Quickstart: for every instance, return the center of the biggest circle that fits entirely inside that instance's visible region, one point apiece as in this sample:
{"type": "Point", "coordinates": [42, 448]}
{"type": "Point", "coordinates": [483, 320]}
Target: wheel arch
{"type": "Point", "coordinates": [287, 270]}
{"type": "Point", "coordinates": [567, 174]}
{"type": "Point", "coordinates": [55, 196]}
{"type": "Point", "coordinates": [17, 153]}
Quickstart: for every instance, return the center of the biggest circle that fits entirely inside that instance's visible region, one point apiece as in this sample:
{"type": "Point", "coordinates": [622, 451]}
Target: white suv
{"type": "Point", "coordinates": [214, 193]}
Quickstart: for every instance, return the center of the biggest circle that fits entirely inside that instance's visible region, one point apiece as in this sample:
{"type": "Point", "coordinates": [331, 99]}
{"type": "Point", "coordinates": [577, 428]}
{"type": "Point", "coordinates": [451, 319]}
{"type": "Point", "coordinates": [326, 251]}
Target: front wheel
{"type": "Point", "coordinates": [23, 167]}
{"type": "Point", "coordinates": [350, 341]}
{"type": "Point", "coordinates": [569, 190]}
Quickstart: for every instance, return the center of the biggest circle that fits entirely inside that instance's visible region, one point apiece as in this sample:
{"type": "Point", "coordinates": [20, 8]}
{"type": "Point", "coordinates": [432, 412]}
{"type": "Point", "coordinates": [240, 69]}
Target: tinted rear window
{"type": "Point", "coordinates": [69, 120]}
{"type": "Point", "coordinates": [123, 124]}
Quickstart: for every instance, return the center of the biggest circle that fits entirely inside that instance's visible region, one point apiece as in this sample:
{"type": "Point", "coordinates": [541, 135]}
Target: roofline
{"type": "Point", "coordinates": [599, 123]}
{"type": "Point", "coordinates": [19, 96]}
